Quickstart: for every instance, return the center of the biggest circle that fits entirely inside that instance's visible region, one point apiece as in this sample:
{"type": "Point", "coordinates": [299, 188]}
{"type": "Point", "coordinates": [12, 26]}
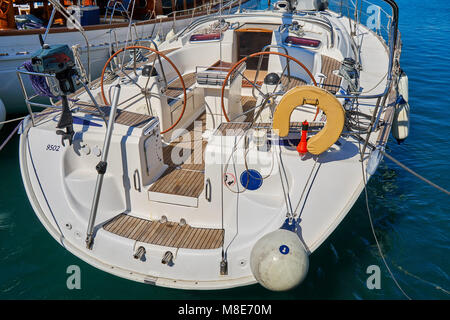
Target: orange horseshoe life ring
{"type": "Point", "coordinates": [256, 55]}
{"type": "Point", "coordinates": [327, 102]}
{"type": "Point", "coordinates": [167, 59]}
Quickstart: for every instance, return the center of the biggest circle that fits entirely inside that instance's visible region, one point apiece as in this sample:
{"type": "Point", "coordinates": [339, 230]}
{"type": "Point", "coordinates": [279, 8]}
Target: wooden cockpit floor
{"type": "Point", "coordinates": [127, 118]}
{"type": "Point", "coordinates": [168, 234]}
{"type": "Point", "coordinates": [333, 82]}
{"type": "Point", "coordinates": [329, 65]}
{"type": "Point", "coordinates": [186, 163]}
{"type": "Point", "coordinates": [185, 158]}
{"type": "Point", "coordinates": [175, 88]}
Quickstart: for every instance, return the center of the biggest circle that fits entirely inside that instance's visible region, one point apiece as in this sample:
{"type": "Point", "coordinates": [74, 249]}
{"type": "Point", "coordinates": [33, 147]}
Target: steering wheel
{"type": "Point", "coordinates": [144, 90]}
{"type": "Point", "coordinates": [237, 64]}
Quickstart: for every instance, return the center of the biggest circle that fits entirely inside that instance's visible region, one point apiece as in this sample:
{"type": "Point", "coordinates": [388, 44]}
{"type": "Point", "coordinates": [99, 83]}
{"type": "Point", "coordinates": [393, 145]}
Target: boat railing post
{"type": "Point", "coordinates": [101, 167]}
{"type": "Point", "coordinates": [27, 99]}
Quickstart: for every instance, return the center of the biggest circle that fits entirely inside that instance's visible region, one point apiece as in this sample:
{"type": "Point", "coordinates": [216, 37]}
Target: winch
{"type": "Point", "coordinates": [58, 60]}
{"type": "Point", "coordinates": [349, 71]}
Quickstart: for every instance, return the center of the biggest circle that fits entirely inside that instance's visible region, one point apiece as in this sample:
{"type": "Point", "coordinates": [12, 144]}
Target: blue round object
{"type": "Point", "coordinates": [284, 249]}
{"type": "Point", "coordinates": [251, 179]}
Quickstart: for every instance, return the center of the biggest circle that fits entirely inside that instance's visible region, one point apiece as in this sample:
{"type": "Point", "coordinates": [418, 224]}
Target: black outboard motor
{"type": "Point", "coordinates": [59, 60]}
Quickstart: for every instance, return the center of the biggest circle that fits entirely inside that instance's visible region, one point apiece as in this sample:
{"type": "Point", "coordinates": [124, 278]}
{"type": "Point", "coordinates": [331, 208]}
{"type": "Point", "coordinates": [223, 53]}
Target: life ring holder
{"type": "Point", "coordinates": [157, 53]}
{"type": "Point", "coordinates": [237, 64]}
{"type": "Point", "coordinates": [325, 101]}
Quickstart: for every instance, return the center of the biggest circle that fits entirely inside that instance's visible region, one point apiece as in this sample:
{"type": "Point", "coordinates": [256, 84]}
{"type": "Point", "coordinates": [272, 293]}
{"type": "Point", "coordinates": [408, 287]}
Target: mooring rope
{"type": "Point", "coordinates": [18, 126]}
{"type": "Point", "coordinates": [13, 120]}
{"type": "Point", "coordinates": [380, 251]}
{"type": "Point", "coordinates": [434, 285]}
{"type": "Point", "coordinates": [406, 168]}
{"type": "Point", "coordinates": [10, 136]}
{"type": "Point", "coordinates": [401, 165]}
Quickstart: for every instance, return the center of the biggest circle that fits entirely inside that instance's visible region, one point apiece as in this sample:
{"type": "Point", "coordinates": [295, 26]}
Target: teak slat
{"type": "Point", "coordinates": [332, 82]}
{"type": "Point", "coordinates": [173, 181]}
{"type": "Point", "coordinates": [169, 234]}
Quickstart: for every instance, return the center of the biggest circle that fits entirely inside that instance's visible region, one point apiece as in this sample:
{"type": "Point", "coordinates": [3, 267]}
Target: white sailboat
{"type": "Point", "coordinates": [227, 156]}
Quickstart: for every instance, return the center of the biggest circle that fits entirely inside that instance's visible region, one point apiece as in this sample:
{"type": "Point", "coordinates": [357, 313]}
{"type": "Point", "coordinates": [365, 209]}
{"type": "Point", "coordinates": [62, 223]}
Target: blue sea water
{"type": "Point", "coordinates": [411, 218]}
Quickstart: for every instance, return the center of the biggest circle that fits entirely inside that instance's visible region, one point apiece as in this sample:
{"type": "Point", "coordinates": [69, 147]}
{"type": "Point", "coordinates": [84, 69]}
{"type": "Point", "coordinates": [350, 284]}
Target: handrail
{"type": "Point", "coordinates": [101, 168]}
{"type": "Point", "coordinates": [50, 78]}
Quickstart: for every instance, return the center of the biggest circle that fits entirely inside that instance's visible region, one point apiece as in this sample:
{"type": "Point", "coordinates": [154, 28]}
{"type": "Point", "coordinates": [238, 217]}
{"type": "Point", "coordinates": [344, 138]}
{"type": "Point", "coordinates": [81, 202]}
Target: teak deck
{"type": "Point", "coordinates": [175, 89]}
{"type": "Point", "coordinates": [333, 82]}
{"type": "Point", "coordinates": [185, 175]}
{"type": "Point", "coordinates": [123, 117]}
{"type": "Point", "coordinates": [169, 234]}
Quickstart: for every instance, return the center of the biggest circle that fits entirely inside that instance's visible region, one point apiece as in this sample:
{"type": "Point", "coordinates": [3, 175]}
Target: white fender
{"type": "Point", "coordinates": [400, 125]}
{"type": "Point", "coordinates": [2, 113]}
{"type": "Point", "coordinates": [170, 35]}
{"type": "Point", "coordinates": [278, 261]}
{"type": "Point", "coordinates": [157, 41]}
{"type": "Point", "coordinates": [403, 88]}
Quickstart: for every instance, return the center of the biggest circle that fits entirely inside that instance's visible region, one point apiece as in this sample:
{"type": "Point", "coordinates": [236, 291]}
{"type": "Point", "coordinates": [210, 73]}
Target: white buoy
{"type": "Point", "coordinates": [400, 124]}
{"type": "Point", "coordinates": [279, 261]}
{"type": "Point", "coordinates": [2, 113]}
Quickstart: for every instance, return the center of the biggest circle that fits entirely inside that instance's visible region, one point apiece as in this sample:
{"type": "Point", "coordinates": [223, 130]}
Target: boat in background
{"type": "Point", "coordinates": [226, 156]}
{"type": "Point", "coordinates": [105, 28]}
